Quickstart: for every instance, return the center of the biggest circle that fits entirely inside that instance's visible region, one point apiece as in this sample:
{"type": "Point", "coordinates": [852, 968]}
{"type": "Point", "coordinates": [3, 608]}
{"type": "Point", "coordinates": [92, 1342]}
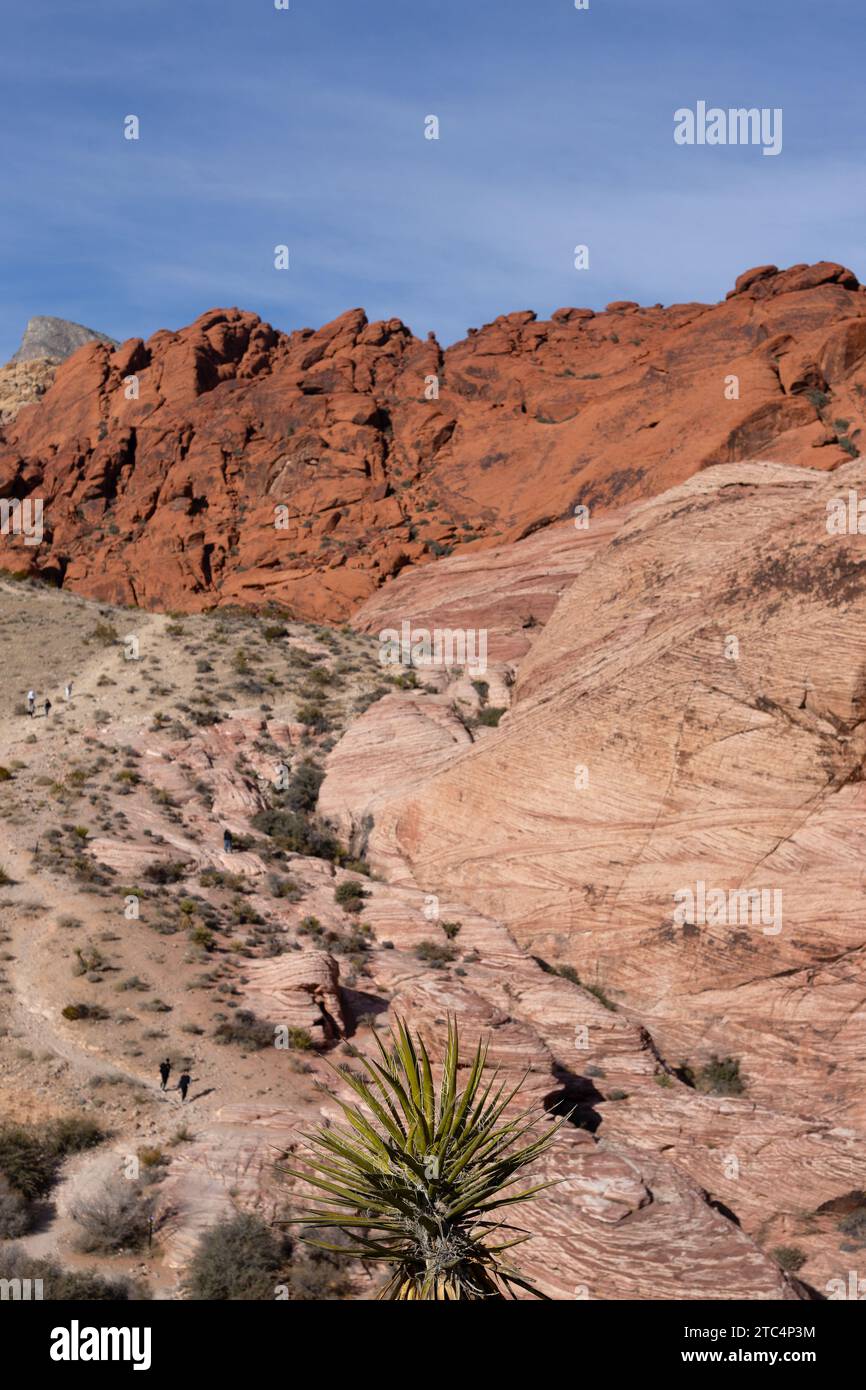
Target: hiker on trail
{"type": "Point", "coordinates": [47, 708]}
{"type": "Point", "coordinates": [31, 702]}
{"type": "Point", "coordinates": [67, 691]}
{"type": "Point", "coordinates": [183, 1084]}
{"type": "Point", "coordinates": [164, 1072]}
{"type": "Point", "coordinates": [227, 841]}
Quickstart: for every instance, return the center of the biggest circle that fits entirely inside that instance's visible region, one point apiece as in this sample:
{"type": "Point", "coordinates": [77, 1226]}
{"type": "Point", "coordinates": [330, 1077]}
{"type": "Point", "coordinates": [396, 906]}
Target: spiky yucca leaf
{"type": "Point", "coordinates": [419, 1177]}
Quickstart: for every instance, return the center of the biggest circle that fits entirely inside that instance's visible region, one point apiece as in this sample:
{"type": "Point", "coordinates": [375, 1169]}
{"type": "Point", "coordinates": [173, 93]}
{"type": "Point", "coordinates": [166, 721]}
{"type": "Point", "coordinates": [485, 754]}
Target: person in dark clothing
{"type": "Point", "coordinates": [183, 1084]}
{"type": "Point", "coordinates": [164, 1072]}
{"type": "Point", "coordinates": [227, 841]}
{"type": "Point", "coordinates": [47, 708]}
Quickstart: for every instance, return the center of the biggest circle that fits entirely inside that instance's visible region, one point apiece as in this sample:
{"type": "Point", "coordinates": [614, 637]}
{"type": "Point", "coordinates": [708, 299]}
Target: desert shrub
{"type": "Point", "coordinates": [302, 792]}
{"type": "Point", "coordinates": [284, 888]}
{"type": "Point", "coordinates": [74, 1133]}
{"type": "Point", "coordinates": [106, 633]}
{"type": "Point", "coordinates": [310, 926]}
{"type": "Point", "coordinates": [298, 834]}
{"type": "Point", "coordinates": [88, 959]}
{"type": "Point", "coordinates": [166, 871]}
{"type": "Point", "coordinates": [789, 1257]}
{"type": "Point", "coordinates": [720, 1077]}
{"type": "Point", "coordinates": [451, 929]}
{"type": "Point", "coordinates": [202, 936]}
{"type": "Point", "coordinates": [245, 1029]}
{"type": "Point", "coordinates": [30, 1156]}
{"type": "Point", "coordinates": [117, 1218]}
{"type": "Point", "coordinates": [434, 953]}
{"type": "Point", "coordinates": [350, 895]}
{"type": "Point", "coordinates": [27, 1163]}
{"type": "Point", "coordinates": [490, 716]}
{"type": "Point", "coordinates": [5, 774]}
{"type": "Point", "coordinates": [63, 1286]}
{"type": "Point", "coordinates": [319, 677]}
{"type": "Point", "coordinates": [205, 717]}
{"type": "Point", "coordinates": [854, 1224]}
{"type": "Point", "coordinates": [237, 1260]}
{"type": "Point", "coordinates": [5, 879]}
{"type": "Point", "coordinates": [219, 878]}
{"type": "Point", "coordinates": [370, 697]}
{"type": "Point", "coordinates": [314, 716]}
{"type": "Point", "coordinates": [78, 1012]}
{"type": "Point", "coordinates": [15, 1212]}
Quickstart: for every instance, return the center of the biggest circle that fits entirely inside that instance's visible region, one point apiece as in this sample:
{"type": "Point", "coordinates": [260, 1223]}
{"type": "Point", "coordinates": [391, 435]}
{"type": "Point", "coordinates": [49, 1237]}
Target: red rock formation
{"type": "Point", "coordinates": [168, 500]}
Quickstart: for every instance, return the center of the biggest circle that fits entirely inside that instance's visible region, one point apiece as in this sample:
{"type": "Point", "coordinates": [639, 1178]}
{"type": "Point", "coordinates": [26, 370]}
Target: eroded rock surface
{"type": "Point", "coordinates": [229, 463]}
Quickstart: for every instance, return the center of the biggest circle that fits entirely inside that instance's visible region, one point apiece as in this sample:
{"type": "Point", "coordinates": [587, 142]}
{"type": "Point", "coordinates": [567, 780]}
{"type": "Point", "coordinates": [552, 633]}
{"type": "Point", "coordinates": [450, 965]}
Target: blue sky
{"type": "Point", "coordinates": [306, 127]}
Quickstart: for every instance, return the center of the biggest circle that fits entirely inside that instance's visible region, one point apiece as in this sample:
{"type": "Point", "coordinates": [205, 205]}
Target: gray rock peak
{"type": "Point", "coordinates": [49, 337]}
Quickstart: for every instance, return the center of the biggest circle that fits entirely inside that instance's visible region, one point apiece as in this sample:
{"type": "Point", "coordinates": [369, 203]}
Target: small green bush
{"type": "Point", "coordinates": [350, 895]}
{"type": "Point", "coordinates": [245, 1029]}
{"type": "Point", "coordinates": [491, 716]}
{"type": "Point", "coordinates": [238, 1260]}
{"type": "Point", "coordinates": [15, 1212]}
{"type": "Point", "coordinates": [65, 1286]}
{"type": "Point", "coordinates": [720, 1077]}
{"type": "Point", "coordinates": [30, 1156]}
{"type": "Point", "coordinates": [789, 1258]}
{"type": "Point", "coordinates": [166, 871]}
{"type": "Point", "coordinates": [298, 834]}
{"type": "Point", "coordinates": [76, 1013]}
{"type": "Point", "coordinates": [434, 953]}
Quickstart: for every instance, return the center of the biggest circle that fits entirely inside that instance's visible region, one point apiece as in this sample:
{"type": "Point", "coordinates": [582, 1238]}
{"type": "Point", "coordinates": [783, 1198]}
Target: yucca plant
{"type": "Point", "coordinates": [417, 1177]}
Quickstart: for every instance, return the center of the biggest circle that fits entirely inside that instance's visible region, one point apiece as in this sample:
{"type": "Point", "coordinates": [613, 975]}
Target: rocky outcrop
{"type": "Point", "coordinates": [692, 713]}
{"type": "Point", "coordinates": [228, 463]}
{"type": "Point", "coordinates": [56, 339]}
{"type": "Point", "coordinates": [30, 371]}
{"type": "Point", "coordinates": [299, 992]}
{"type": "Point", "coordinates": [24, 383]}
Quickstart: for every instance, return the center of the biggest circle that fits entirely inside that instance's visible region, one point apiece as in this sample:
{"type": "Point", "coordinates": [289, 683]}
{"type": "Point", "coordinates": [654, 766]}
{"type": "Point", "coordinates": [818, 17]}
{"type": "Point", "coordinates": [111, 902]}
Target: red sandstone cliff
{"type": "Point", "coordinates": [169, 500]}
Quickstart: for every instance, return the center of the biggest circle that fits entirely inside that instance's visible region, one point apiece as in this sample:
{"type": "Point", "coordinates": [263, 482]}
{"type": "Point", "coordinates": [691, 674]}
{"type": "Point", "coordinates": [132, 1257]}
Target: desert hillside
{"type": "Point", "coordinates": [124, 793]}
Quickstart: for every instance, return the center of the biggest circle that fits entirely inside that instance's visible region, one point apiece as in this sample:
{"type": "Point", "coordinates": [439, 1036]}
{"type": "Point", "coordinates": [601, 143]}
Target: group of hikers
{"type": "Point", "coordinates": [183, 1084]}
{"type": "Point", "coordinates": [46, 704]}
